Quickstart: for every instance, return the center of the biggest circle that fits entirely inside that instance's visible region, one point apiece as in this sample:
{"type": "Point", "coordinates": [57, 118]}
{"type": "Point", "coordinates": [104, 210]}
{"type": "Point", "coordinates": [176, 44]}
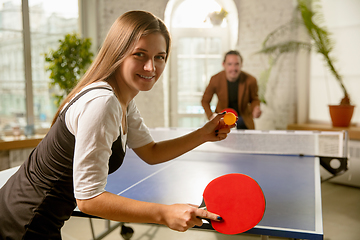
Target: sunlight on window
{"type": "Point", "coordinates": [194, 14]}
{"type": "Point", "coordinates": [49, 21]}
{"type": "Point", "coordinates": [66, 8]}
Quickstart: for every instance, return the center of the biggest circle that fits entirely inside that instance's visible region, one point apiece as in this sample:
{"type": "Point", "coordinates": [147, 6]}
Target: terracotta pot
{"type": "Point", "coordinates": [341, 115]}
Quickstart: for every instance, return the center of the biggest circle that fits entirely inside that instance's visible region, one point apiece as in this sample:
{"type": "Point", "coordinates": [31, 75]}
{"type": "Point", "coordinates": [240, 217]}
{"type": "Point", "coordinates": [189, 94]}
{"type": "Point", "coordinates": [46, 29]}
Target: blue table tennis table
{"type": "Point", "coordinates": [291, 184]}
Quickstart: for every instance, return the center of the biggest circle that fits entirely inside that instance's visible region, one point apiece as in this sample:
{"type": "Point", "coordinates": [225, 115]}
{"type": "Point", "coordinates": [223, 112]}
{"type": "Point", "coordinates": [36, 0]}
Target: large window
{"type": "Point", "coordinates": [197, 53]}
{"type": "Point", "coordinates": [39, 30]}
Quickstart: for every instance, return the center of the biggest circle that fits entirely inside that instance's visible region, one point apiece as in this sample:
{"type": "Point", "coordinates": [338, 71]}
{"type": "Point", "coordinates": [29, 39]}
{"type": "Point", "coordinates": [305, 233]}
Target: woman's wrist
{"type": "Point", "coordinates": [160, 213]}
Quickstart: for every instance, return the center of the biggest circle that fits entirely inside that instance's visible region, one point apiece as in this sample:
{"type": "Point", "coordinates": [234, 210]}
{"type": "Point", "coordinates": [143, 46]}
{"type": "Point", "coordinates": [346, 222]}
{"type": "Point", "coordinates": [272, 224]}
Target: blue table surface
{"type": "Point", "coordinates": [290, 184]}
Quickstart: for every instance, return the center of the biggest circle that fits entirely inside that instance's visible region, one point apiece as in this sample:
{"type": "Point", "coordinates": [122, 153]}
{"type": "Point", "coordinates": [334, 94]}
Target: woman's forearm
{"type": "Point", "coordinates": [153, 153]}
{"type": "Point", "coordinates": [169, 149]}
{"type": "Point", "coordinates": [178, 217]}
{"type": "Point", "coordinates": [117, 208]}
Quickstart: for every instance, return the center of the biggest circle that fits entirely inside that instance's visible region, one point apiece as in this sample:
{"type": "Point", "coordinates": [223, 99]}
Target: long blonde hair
{"type": "Point", "coordinates": [118, 44]}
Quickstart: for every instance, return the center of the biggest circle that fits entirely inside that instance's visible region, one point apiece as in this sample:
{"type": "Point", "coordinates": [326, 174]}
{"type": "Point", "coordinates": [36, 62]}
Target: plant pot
{"type": "Point", "coordinates": [341, 115]}
{"type": "Point", "coordinates": [215, 19]}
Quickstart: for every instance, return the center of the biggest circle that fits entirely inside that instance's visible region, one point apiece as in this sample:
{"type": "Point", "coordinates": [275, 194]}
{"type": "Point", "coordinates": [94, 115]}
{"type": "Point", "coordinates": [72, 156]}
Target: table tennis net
{"type": "Point", "coordinates": [270, 142]}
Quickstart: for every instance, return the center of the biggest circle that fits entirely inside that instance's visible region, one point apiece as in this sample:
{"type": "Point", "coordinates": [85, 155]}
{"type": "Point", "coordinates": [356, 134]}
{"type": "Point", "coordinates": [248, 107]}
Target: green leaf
{"type": "Point", "coordinates": [68, 63]}
{"type": "Point", "coordinates": [309, 15]}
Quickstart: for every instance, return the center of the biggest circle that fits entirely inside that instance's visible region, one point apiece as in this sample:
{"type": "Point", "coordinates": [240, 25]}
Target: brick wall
{"type": "Point", "coordinates": [256, 19]}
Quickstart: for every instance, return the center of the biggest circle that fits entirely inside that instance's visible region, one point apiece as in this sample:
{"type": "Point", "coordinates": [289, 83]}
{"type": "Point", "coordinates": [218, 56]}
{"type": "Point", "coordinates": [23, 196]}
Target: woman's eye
{"type": "Point", "coordinates": [139, 54]}
{"type": "Point", "coordinates": [160, 57]}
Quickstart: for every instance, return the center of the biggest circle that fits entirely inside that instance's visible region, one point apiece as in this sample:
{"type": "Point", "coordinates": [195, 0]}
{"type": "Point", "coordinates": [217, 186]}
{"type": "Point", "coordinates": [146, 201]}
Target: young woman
{"type": "Point", "coordinates": [88, 137]}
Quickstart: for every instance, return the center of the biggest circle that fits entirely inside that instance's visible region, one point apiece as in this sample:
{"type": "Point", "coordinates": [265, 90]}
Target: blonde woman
{"type": "Point", "coordinates": [88, 137]}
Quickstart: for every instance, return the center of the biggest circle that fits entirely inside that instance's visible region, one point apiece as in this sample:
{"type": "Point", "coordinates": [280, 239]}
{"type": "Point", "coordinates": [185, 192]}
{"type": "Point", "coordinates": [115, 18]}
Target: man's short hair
{"type": "Point", "coordinates": [233, 52]}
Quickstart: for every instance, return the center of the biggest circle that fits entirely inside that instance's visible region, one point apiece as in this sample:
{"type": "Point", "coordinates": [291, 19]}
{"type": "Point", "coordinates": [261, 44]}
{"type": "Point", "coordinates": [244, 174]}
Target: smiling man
{"type": "Point", "coordinates": [235, 89]}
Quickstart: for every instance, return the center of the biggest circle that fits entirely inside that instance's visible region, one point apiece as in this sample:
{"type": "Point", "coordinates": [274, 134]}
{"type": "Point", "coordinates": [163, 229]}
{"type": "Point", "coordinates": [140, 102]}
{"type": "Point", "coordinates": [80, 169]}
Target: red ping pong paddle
{"type": "Point", "coordinates": [238, 199]}
{"type": "Point", "coordinates": [230, 110]}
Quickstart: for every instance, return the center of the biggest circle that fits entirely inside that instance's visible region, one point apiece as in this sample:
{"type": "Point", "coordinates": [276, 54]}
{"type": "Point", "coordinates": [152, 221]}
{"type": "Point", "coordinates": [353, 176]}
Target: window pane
{"type": "Point", "coordinates": [12, 82]}
{"type": "Point", "coordinates": [191, 72]}
{"type": "Point", "coordinates": [190, 122]}
{"type": "Point", "coordinates": [198, 60]}
{"type": "Point", "coordinates": [192, 46]}
{"type": "Point", "coordinates": [50, 20]}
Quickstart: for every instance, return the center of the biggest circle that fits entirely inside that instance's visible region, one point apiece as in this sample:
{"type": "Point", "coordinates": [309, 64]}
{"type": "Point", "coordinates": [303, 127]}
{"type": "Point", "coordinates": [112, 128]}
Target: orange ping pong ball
{"type": "Point", "coordinates": [229, 118]}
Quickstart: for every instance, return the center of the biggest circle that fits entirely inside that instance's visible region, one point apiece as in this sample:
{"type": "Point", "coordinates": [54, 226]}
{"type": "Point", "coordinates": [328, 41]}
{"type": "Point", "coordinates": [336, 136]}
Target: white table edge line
{"type": "Point", "coordinates": [287, 229]}
{"type": "Point", "coordinates": [318, 207]}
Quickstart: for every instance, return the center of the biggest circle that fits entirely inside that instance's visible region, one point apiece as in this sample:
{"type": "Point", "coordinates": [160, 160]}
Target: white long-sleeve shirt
{"type": "Point", "coordinates": [95, 121]}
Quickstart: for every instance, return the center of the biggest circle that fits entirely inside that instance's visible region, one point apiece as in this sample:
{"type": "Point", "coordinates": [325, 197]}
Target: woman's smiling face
{"type": "Point", "coordinates": [143, 67]}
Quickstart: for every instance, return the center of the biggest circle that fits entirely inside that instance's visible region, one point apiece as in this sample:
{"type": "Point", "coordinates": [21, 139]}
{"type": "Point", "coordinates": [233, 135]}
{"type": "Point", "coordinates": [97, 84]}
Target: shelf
{"type": "Point", "coordinates": [353, 131]}
{"type": "Point", "coordinates": [11, 142]}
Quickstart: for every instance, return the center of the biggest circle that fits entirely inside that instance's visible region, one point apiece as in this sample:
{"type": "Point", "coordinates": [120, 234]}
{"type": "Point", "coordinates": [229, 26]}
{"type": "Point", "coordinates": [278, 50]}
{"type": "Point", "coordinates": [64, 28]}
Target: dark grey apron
{"type": "Point", "coordinates": [37, 200]}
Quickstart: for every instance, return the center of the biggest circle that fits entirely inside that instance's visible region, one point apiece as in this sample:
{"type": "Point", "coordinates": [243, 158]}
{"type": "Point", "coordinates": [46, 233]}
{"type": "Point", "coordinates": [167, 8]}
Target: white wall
{"type": "Point", "coordinates": [257, 19]}
{"type": "Point", "coordinates": [342, 19]}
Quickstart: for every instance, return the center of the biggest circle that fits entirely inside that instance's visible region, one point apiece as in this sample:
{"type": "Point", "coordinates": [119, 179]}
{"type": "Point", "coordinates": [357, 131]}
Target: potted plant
{"type": "Point", "coordinates": [308, 14]}
{"type": "Point", "coordinates": [68, 63]}
{"type": "Point", "coordinates": [217, 17]}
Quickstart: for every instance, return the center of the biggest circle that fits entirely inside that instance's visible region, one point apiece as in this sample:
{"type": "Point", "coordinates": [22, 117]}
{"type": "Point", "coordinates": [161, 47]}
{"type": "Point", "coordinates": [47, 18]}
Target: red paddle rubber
{"type": "Point", "coordinates": [230, 110]}
{"type": "Point", "coordinates": [238, 199]}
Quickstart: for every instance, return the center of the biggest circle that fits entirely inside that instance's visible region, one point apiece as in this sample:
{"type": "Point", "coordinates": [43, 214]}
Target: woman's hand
{"type": "Point", "coordinates": [216, 129]}
{"type": "Point", "coordinates": [181, 217]}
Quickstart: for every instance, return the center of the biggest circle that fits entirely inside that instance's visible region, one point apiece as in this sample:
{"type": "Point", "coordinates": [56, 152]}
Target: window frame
{"type": "Point", "coordinates": [178, 33]}
{"type": "Point", "coordinates": [27, 75]}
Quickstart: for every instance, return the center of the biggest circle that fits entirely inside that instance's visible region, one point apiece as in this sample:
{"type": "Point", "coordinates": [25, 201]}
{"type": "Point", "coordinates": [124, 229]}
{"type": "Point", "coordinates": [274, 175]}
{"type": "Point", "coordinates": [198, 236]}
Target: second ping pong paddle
{"type": "Point", "coordinates": [230, 110]}
{"type": "Point", "coordinates": [238, 199]}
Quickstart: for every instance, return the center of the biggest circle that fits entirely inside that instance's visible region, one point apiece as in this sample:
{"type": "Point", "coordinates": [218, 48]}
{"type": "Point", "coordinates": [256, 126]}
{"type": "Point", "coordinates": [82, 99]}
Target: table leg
{"type": "Point", "coordinates": [108, 229]}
